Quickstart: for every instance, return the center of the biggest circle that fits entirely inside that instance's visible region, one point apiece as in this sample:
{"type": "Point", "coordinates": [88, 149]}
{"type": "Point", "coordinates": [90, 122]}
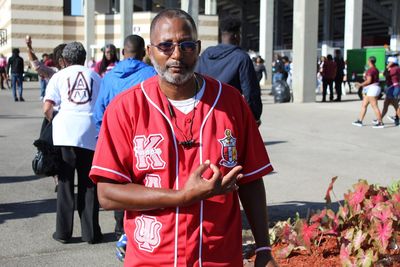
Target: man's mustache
{"type": "Point", "coordinates": [176, 64]}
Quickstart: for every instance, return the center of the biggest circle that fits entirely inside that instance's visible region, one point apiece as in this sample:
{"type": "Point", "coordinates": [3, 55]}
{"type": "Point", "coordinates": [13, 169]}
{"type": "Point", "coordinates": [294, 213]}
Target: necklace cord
{"type": "Point", "coordinates": [188, 142]}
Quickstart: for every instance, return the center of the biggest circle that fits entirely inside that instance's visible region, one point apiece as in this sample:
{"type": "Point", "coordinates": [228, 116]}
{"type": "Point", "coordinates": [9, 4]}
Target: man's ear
{"type": "Point", "coordinates": [148, 50]}
{"type": "Point", "coordinates": [143, 53]}
{"type": "Point", "coordinates": [198, 47]}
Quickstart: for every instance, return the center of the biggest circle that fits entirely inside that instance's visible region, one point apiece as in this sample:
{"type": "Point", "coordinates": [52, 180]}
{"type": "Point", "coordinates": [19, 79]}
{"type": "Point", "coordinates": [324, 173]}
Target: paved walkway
{"type": "Point", "coordinates": [308, 144]}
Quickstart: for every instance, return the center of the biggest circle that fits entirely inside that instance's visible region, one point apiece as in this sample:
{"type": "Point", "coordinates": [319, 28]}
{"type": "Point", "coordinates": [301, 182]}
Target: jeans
{"type": "Point", "coordinates": [43, 85]}
{"type": "Point", "coordinates": [16, 77]}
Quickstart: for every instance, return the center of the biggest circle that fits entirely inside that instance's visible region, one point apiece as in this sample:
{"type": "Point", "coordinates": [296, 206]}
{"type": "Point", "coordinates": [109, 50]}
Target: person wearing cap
{"type": "Point", "coordinates": [74, 89]}
{"type": "Point", "coordinates": [392, 75]}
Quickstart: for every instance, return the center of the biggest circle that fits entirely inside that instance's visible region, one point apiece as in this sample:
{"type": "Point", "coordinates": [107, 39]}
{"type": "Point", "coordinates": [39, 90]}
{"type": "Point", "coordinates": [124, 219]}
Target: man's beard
{"type": "Point", "coordinates": [176, 79]}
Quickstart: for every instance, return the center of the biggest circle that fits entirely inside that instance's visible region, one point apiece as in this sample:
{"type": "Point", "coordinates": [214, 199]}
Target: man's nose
{"type": "Point", "coordinates": [177, 52]}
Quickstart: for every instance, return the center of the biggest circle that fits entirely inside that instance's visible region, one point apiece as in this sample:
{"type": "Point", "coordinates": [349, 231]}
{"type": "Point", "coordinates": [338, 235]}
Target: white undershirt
{"type": "Point", "coordinates": [187, 105]}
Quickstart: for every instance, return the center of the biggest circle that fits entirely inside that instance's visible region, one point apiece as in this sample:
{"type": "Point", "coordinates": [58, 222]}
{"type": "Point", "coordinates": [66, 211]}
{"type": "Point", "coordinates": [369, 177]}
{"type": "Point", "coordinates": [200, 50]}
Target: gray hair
{"type": "Point", "coordinates": [74, 53]}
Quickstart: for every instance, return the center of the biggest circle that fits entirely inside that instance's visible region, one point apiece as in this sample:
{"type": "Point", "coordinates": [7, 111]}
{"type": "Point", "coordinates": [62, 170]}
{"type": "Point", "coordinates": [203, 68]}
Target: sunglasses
{"type": "Point", "coordinates": [169, 47]}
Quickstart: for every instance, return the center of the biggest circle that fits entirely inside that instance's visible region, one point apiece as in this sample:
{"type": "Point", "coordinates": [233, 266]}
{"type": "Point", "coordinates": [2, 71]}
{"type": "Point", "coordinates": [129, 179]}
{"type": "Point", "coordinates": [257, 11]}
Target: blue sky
{"type": "Point", "coordinates": [76, 7]}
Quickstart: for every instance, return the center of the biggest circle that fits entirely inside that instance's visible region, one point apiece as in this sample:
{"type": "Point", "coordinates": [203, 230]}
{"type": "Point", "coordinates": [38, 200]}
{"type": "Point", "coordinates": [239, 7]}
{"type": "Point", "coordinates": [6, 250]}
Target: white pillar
{"type": "Point", "coordinates": [88, 11]}
{"type": "Point", "coordinates": [126, 11]}
{"type": "Point", "coordinates": [327, 28]}
{"type": "Point", "coordinates": [267, 35]}
{"type": "Point", "coordinates": [352, 25]}
{"type": "Point", "coordinates": [305, 39]}
{"type": "Point", "coordinates": [210, 7]}
{"type": "Point", "coordinates": [191, 7]}
{"type": "Point", "coordinates": [395, 35]}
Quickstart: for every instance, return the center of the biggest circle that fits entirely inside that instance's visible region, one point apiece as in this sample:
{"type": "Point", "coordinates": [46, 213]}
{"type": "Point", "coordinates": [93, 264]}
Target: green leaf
{"type": "Point", "coordinates": [348, 234]}
{"type": "Point", "coordinates": [359, 238]}
{"type": "Point", "coordinates": [366, 259]}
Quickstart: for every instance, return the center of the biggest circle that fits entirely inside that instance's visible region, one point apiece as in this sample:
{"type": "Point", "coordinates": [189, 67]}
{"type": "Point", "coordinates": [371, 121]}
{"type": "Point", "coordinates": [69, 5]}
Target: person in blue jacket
{"type": "Point", "coordinates": [127, 73]}
{"type": "Point", "coordinates": [230, 64]}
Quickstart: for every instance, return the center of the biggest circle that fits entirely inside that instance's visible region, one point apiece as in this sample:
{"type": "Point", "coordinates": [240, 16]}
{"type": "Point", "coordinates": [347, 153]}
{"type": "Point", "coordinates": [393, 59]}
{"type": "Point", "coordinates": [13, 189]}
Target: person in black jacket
{"type": "Point", "coordinates": [339, 74]}
{"type": "Point", "coordinates": [230, 64]}
{"type": "Point", "coordinates": [16, 63]}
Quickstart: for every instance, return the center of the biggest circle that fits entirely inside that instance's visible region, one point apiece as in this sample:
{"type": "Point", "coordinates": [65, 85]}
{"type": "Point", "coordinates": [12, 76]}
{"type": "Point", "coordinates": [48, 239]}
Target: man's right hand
{"type": "Point", "coordinates": [28, 41]}
{"type": "Point", "coordinates": [197, 188]}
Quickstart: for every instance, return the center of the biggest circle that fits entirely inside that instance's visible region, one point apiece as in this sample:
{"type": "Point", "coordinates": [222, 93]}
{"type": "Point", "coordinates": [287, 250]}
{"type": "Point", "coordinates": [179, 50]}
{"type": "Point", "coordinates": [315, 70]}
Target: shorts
{"type": "Point", "coordinates": [2, 70]}
{"type": "Point", "coordinates": [372, 90]}
{"type": "Point", "coordinates": [393, 92]}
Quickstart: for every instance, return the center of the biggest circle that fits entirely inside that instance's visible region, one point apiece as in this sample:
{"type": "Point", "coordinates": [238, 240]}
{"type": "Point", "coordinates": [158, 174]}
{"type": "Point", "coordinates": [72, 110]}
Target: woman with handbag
{"type": "Point", "coordinates": [74, 89]}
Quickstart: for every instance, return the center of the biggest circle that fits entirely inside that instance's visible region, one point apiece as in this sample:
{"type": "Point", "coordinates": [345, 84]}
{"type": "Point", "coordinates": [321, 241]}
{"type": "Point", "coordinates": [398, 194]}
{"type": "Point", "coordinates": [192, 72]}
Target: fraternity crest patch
{"type": "Point", "coordinates": [228, 150]}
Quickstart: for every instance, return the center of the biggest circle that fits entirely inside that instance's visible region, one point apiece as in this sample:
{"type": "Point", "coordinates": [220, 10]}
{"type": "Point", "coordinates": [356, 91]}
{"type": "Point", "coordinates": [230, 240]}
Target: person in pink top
{"type": "Point", "coordinates": [45, 70]}
{"type": "Point", "coordinates": [392, 75]}
{"type": "Point", "coordinates": [371, 93]}
{"type": "Point", "coordinates": [108, 61]}
{"type": "Point", "coordinates": [3, 73]}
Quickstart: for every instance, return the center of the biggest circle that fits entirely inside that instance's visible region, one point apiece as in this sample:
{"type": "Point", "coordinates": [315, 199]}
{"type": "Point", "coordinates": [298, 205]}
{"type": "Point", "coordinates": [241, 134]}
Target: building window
{"type": "Point", "coordinates": [3, 37]}
{"type": "Point", "coordinates": [73, 7]}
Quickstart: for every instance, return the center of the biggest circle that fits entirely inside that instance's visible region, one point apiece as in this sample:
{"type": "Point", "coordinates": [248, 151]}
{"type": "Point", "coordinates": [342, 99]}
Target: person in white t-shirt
{"type": "Point", "coordinates": [74, 89]}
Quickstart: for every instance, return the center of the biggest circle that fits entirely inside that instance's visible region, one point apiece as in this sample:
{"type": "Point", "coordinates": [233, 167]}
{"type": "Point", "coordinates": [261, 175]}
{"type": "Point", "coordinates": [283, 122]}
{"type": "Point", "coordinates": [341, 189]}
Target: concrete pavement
{"type": "Point", "coordinates": [307, 143]}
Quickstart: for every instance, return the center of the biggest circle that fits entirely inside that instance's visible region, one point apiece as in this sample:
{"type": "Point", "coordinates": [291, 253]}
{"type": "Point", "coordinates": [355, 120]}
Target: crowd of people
{"type": "Point", "coordinates": [371, 92]}
{"type": "Point", "coordinates": [195, 149]}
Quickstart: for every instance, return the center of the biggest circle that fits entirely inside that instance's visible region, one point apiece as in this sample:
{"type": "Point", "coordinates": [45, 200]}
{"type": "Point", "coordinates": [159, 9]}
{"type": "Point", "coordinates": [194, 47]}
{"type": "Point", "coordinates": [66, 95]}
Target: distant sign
{"type": "Point", "coordinates": [136, 30]}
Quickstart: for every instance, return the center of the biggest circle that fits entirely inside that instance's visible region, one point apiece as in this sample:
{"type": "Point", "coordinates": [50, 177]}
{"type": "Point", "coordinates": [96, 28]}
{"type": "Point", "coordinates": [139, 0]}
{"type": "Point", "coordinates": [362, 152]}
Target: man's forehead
{"type": "Point", "coordinates": [168, 28]}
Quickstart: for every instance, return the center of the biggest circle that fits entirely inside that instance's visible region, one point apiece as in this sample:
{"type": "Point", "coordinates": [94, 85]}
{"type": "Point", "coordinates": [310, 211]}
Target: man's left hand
{"type": "Point", "coordinates": [265, 260]}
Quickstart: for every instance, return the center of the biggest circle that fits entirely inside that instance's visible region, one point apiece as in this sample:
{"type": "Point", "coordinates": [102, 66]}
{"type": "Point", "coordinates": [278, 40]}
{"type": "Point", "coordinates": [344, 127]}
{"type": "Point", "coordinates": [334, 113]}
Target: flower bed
{"type": "Point", "coordinates": [363, 232]}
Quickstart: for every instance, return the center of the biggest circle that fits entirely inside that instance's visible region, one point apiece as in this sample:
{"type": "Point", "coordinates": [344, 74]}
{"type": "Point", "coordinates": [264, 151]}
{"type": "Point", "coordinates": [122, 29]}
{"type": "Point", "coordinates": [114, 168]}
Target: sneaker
{"type": "Point", "coordinates": [16, 99]}
{"type": "Point", "coordinates": [358, 123]}
{"type": "Point", "coordinates": [121, 248]}
{"type": "Point", "coordinates": [396, 122]}
{"type": "Point", "coordinates": [391, 118]}
{"type": "Point", "coordinates": [375, 121]}
{"type": "Point", "coordinates": [21, 99]}
{"type": "Point", "coordinates": [379, 125]}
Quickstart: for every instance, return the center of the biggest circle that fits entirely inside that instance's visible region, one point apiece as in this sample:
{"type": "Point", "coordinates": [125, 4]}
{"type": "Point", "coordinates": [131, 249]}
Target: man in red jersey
{"type": "Point", "coordinates": [177, 152]}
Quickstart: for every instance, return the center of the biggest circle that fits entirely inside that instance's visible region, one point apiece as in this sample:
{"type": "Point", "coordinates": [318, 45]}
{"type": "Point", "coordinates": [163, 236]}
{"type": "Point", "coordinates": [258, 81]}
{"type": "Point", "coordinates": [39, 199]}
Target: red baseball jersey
{"type": "Point", "coordinates": [139, 143]}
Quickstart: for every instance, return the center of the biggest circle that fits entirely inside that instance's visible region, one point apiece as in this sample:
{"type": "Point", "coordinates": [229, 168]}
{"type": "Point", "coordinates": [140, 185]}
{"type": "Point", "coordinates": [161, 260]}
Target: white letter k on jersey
{"type": "Point", "coordinates": [147, 153]}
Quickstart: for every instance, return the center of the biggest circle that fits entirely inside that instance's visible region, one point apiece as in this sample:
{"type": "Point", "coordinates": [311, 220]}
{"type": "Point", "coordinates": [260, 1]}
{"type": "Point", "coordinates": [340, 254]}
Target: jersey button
{"type": "Point", "coordinates": [188, 120]}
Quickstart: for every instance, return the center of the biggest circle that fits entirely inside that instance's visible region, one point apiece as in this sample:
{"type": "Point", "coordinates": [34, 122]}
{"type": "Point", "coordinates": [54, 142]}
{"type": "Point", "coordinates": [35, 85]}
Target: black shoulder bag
{"type": "Point", "coordinates": [47, 159]}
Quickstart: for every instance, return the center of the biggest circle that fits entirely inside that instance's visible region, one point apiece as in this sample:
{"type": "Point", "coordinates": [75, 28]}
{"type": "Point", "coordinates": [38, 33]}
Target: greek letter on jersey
{"type": "Point", "coordinates": [147, 232]}
{"type": "Point", "coordinates": [80, 92]}
{"type": "Point", "coordinates": [152, 180]}
{"type": "Point", "coordinates": [147, 153]}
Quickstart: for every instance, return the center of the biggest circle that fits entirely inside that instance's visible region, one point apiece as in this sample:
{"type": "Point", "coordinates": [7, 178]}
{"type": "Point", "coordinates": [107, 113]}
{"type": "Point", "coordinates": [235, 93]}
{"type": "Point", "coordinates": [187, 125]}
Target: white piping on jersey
{"type": "Point", "coordinates": [201, 162]}
{"type": "Point", "coordinates": [112, 171]}
{"type": "Point", "coordinates": [258, 170]}
{"type": "Point", "coordinates": [176, 170]}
